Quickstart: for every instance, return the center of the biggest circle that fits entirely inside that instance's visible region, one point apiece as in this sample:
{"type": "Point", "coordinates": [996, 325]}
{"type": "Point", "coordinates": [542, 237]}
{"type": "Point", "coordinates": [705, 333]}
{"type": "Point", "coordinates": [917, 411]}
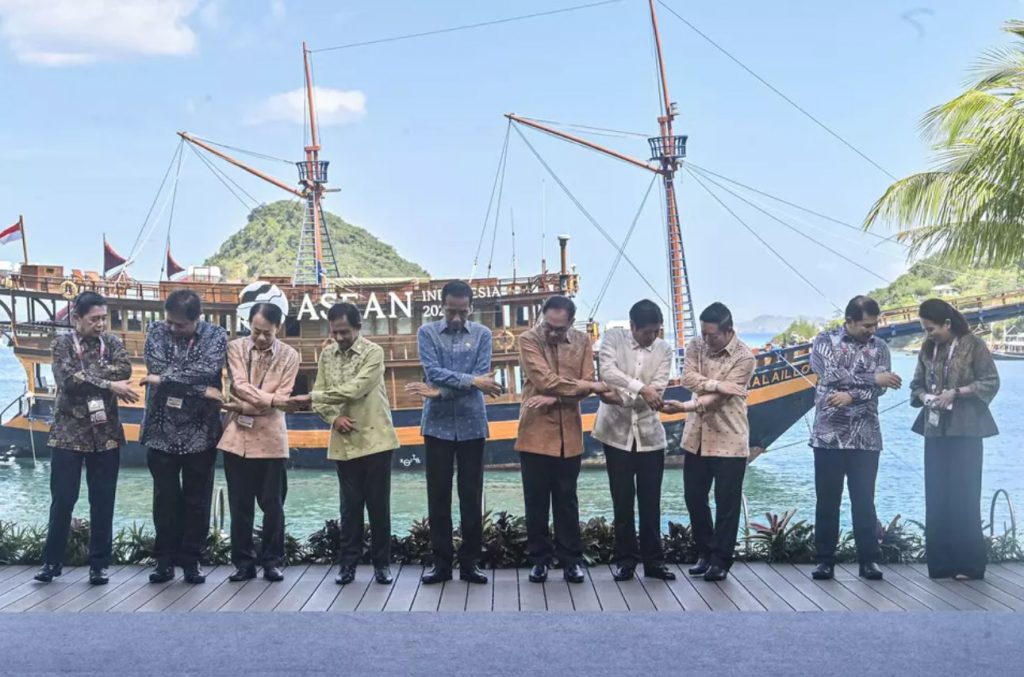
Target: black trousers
{"type": "Point", "coordinates": [182, 494]}
{"type": "Point", "coordinates": [101, 469]}
{"type": "Point", "coordinates": [635, 476]}
{"type": "Point", "coordinates": [549, 487]}
{"type": "Point", "coordinates": [860, 468]}
{"type": "Point", "coordinates": [443, 457]}
{"type": "Point", "coordinates": [365, 485]}
{"type": "Point", "coordinates": [254, 481]}
{"type": "Point", "coordinates": [954, 542]}
{"type": "Point", "coordinates": [715, 541]}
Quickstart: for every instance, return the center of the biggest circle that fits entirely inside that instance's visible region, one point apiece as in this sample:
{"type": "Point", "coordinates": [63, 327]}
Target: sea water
{"type": "Point", "coordinates": [780, 480]}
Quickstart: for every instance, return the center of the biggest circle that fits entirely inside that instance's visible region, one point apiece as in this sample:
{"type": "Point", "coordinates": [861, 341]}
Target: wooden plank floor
{"type": "Point", "coordinates": [752, 587]}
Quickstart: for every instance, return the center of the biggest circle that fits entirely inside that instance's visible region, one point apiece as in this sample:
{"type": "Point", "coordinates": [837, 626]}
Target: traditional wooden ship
{"type": "Point", "coordinates": [35, 301]}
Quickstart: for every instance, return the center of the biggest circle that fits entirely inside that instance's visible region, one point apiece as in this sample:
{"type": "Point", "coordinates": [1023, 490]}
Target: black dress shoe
{"type": "Point", "coordinates": [715, 573]}
{"type": "Point", "coordinates": [345, 575]}
{"type": "Point", "coordinates": [162, 574]}
{"type": "Point", "coordinates": [871, 571]}
{"type": "Point", "coordinates": [48, 572]}
{"type": "Point", "coordinates": [659, 571]}
{"type": "Point", "coordinates": [194, 575]}
{"type": "Point", "coordinates": [574, 573]}
{"type": "Point", "coordinates": [824, 572]}
{"type": "Point", "coordinates": [242, 574]}
{"type": "Point", "coordinates": [539, 573]}
{"type": "Point", "coordinates": [98, 576]}
{"type": "Point", "coordinates": [473, 574]}
{"type": "Point", "coordinates": [623, 572]}
{"type": "Point", "coordinates": [382, 575]}
{"type": "Point", "coordinates": [436, 575]}
{"type": "Point", "coordinates": [273, 574]}
{"type": "Point", "coordinates": [700, 568]}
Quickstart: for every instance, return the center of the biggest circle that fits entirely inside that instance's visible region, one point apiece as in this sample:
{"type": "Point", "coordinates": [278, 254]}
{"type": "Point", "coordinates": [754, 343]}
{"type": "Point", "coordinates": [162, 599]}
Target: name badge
{"type": "Point", "coordinates": [245, 421]}
{"type": "Point", "coordinates": [175, 402]}
{"type": "Point", "coordinates": [933, 418]}
{"type": "Point", "coordinates": [97, 411]}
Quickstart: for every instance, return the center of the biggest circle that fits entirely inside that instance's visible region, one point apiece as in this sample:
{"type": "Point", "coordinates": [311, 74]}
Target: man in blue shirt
{"type": "Point", "coordinates": [456, 358]}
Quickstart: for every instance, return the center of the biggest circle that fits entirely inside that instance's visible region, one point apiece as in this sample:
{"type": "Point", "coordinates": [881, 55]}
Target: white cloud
{"type": "Point", "coordinates": [72, 32]}
{"type": "Point", "coordinates": [277, 9]}
{"type": "Point", "coordinates": [333, 107]}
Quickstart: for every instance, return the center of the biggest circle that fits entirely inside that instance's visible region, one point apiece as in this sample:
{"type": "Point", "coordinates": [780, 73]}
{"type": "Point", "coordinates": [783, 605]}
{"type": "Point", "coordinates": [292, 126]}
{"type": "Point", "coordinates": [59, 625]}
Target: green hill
{"type": "Point", "coordinates": [268, 244]}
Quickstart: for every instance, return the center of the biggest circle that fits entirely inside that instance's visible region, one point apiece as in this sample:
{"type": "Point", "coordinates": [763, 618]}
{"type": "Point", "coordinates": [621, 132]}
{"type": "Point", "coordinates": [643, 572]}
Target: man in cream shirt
{"type": "Point", "coordinates": [636, 363]}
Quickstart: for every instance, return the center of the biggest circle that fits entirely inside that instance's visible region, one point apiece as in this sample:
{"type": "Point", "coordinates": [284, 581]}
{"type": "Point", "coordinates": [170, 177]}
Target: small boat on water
{"type": "Point", "coordinates": [1010, 347]}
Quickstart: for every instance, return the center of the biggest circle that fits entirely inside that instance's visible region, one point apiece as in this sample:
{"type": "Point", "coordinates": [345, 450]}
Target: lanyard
{"type": "Point", "coordinates": [188, 349]}
{"type": "Point", "coordinates": [248, 370]}
{"type": "Point", "coordinates": [80, 351]}
{"type": "Point", "coordinates": [945, 366]}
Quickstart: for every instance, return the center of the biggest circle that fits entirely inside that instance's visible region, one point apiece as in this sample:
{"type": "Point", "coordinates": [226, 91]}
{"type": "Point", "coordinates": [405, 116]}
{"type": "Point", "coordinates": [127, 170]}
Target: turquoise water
{"type": "Point", "coordinates": [779, 480]}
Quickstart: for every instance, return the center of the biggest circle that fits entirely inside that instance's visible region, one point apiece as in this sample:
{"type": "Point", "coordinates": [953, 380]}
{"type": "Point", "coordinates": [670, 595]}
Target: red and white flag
{"type": "Point", "coordinates": [11, 234]}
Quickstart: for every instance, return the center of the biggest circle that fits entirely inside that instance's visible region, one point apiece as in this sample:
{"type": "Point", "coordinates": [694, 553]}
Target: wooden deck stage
{"type": "Point", "coordinates": [752, 587]}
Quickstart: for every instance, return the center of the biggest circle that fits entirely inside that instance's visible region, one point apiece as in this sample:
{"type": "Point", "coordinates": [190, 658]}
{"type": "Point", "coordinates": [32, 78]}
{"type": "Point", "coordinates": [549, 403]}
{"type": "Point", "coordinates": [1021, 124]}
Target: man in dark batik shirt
{"type": "Point", "coordinates": [91, 369]}
{"type": "Point", "coordinates": [185, 358]}
{"type": "Point", "coordinates": [853, 368]}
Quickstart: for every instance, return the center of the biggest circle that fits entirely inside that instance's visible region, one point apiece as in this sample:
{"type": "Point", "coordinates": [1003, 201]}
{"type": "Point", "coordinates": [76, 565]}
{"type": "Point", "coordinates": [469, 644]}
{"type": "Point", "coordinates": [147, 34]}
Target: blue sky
{"type": "Point", "coordinates": [96, 89]}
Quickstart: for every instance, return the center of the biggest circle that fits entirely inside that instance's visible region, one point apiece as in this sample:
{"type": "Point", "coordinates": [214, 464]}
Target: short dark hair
{"type": "Point", "coordinates": [859, 306]}
{"type": "Point", "coordinates": [270, 312]}
{"type": "Point", "coordinates": [938, 311]}
{"type": "Point", "coordinates": [645, 313]}
{"type": "Point", "coordinates": [86, 301]}
{"type": "Point", "coordinates": [184, 302]}
{"type": "Point", "coordinates": [458, 289]}
{"type": "Point", "coordinates": [348, 311]}
{"type": "Point", "coordinates": [560, 303]}
{"type": "Point", "coordinates": [718, 314]}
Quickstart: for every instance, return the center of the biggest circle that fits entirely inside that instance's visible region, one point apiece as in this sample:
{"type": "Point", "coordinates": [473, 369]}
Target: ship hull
{"type": "Point", "coordinates": [779, 397]}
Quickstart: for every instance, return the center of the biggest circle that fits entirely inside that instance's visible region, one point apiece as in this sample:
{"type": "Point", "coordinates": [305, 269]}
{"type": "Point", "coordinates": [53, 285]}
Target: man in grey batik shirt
{"type": "Point", "coordinates": [853, 368]}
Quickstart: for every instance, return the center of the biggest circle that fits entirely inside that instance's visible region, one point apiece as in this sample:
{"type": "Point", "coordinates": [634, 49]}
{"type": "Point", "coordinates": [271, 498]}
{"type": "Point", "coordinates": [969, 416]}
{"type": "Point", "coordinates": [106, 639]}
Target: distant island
{"type": "Point", "coordinates": [268, 243]}
{"type": "Point", "coordinates": [928, 278]}
{"type": "Point", "coordinates": [772, 324]}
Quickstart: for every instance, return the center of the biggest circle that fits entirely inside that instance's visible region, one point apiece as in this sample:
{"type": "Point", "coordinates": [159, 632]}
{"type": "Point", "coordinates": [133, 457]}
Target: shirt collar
{"type": "Point", "coordinates": [357, 346]}
{"type": "Point", "coordinates": [273, 346]}
{"type": "Point", "coordinates": [445, 329]}
{"type": "Point", "coordinates": [636, 346]}
{"type": "Point", "coordinates": [730, 347]}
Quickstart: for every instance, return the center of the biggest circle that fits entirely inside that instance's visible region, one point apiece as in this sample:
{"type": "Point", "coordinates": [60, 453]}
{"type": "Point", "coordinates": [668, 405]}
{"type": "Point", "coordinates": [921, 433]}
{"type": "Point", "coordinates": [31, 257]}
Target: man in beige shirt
{"type": "Point", "coordinates": [636, 362]}
{"type": "Point", "coordinates": [716, 369]}
{"type": "Point", "coordinates": [255, 440]}
{"type": "Point", "coordinates": [558, 369]}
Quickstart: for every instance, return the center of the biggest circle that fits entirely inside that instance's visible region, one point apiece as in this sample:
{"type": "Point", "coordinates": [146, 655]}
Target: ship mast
{"type": "Point", "coordinates": [315, 259]}
{"type": "Point", "coordinates": [667, 150]}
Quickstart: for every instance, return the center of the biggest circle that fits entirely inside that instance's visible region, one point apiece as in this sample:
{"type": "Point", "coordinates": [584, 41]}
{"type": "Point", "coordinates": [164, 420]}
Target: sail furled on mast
{"type": "Point", "coordinates": [111, 259]}
{"type": "Point", "coordinates": [173, 267]}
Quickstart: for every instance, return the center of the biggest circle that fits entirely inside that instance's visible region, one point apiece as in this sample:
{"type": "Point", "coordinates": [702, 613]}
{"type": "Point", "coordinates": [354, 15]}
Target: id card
{"type": "Point", "coordinates": [933, 418]}
{"type": "Point", "coordinates": [245, 421]}
{"type": "Point", "coordinates": [175, 402]}
{"type": "Point", "coordinates": [97, 411]}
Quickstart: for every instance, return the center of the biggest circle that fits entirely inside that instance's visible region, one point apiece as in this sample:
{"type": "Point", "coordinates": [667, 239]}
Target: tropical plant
{"type": "Point", "coordinates": [970, 208]}
{"type": "Point", "coordinates": [322, 545]}
{"type": "Point", "coordinates": [901, 541]}
{"type": "Point", "coordinates": [780, 541]}
{"type": "Point", "coordinates": [134, 545]}
{"type": "Point", "coordinates": [598, 540]}
{"type": "Point", "coordinates": [678, 544]}
{"type": "Point", "coordinates": [504, 542]}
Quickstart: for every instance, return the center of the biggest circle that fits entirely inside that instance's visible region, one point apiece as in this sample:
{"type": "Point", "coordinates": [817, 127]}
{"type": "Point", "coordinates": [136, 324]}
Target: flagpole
{"type": "Point", "coordinates": [24, 241]}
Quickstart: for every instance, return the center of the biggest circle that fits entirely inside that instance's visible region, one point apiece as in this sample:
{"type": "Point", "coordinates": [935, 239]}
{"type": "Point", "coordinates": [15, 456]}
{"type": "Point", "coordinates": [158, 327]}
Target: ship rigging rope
{"type": "Point", "coordinates": [466, 27]}
{"type": "Point", "coordinates": [141, 242]}
{"type": "Point", "coordinates": [497, 211]}
{"type": "Point", "coordinates": [170, 217]}
{"type": "Point", "coordinates": [780, 257]}
{"type": "Point", "coordinates": [498, 173]}
{"type": "Point", "coordinates": [588, 216]}
{"type": "Point", "coordinates": [622, 249]}
{"type": "Point", "coordinates": [159, 190]}
{"type": "Point", "coordinates": [707, 172]}
{"type": "Point", "coordinates": [797, 230]}
{"type": "Point", "coordinates": [262, 156]}
{"type": "Point", "coordinates": [225, 179]}
{"type": "Point", "coordinates": [591, 128]}
{"type": "Point", "coordinates": [778, 92]}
